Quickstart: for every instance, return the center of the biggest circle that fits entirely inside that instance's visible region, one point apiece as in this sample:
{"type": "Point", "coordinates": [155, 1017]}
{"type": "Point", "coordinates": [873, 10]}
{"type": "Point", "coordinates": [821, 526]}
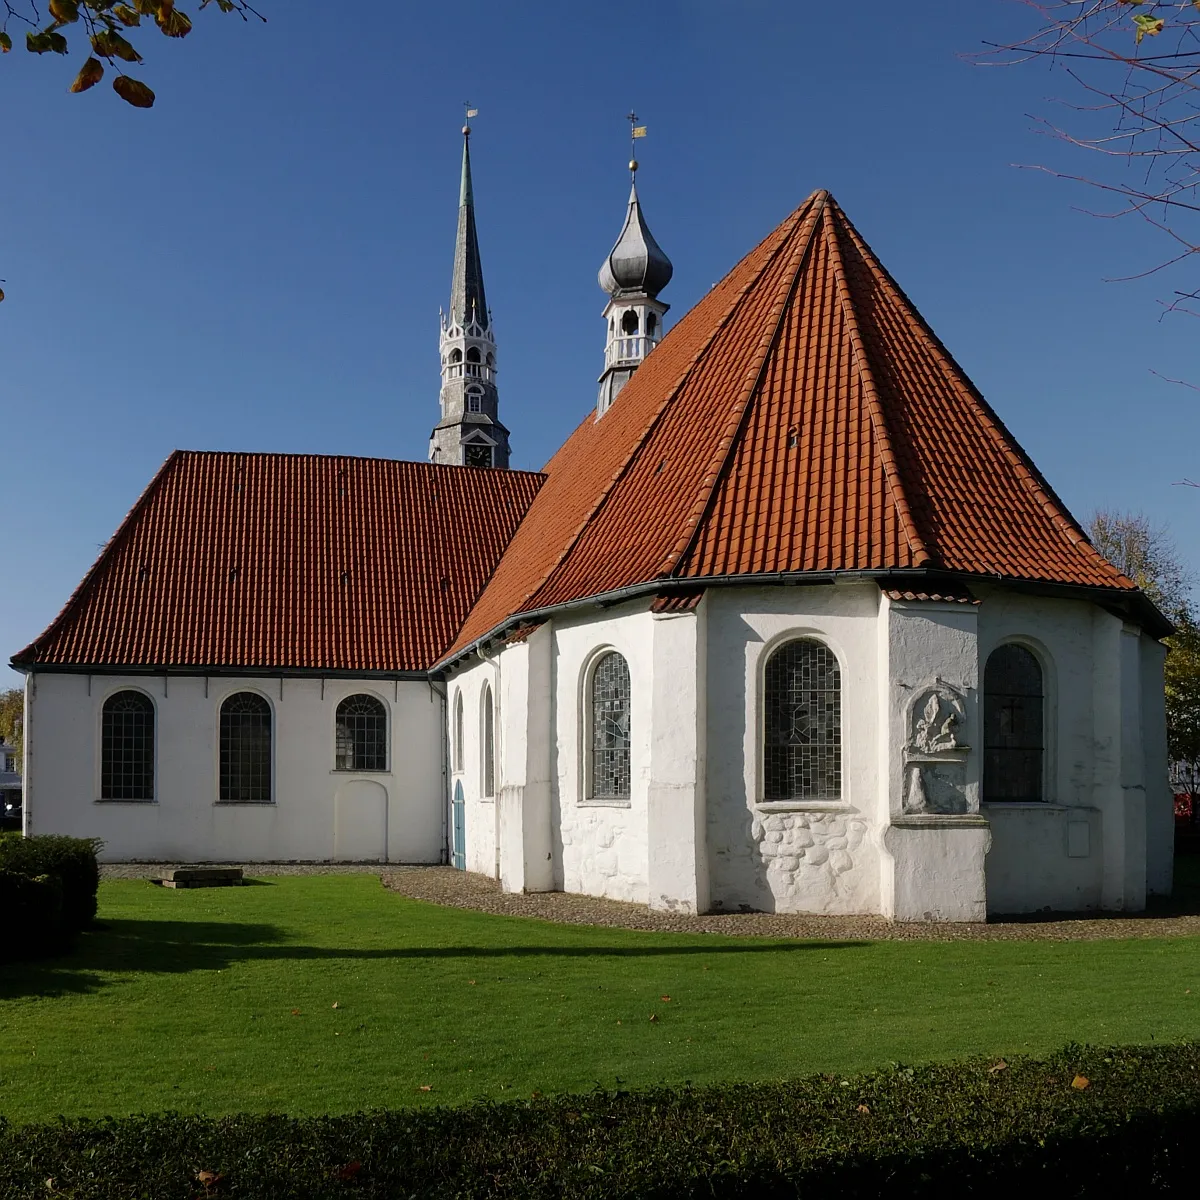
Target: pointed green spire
{"type": "Point", "coordinates": [467, 298]}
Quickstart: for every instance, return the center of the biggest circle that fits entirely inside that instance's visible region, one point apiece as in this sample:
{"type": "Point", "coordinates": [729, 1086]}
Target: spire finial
{"type": "Point", "coordinates": [468, 113]}
{"type": "Point", "coordinates": [635, 131]}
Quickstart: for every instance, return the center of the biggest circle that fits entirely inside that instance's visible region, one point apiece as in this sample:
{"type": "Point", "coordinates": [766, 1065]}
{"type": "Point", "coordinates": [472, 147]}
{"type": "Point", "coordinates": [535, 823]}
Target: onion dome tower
{"type": "Point", "coordinates": [633, 274]}
{"type": "Point", "coordinates": [469, 433]}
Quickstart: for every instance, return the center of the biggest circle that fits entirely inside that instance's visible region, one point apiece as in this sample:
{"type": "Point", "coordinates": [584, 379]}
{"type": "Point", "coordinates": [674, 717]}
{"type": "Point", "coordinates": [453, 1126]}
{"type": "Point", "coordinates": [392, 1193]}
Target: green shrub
{"type": "Point", "coordinates": [31, 916]}
{"type": "Point", "coordinates": [72, 860]}
{"type": "Point", "coordinates": [1086, 1122]}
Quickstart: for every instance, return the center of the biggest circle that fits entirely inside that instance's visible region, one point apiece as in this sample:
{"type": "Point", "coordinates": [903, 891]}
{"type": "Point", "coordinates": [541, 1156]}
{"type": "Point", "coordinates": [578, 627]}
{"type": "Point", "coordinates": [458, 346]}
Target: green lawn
{"type": "Point", "coordinates": [327, 994]}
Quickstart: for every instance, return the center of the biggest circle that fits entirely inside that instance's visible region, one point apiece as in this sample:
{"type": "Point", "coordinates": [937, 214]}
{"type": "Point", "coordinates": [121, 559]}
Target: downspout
{"type": "Point", "coordinates": [27, 752]}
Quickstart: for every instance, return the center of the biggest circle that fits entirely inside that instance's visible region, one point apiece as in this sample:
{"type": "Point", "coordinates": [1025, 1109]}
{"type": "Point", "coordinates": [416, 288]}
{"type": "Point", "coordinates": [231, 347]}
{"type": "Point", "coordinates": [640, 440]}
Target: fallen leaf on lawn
{"type": "Point", "coordinates": [534, 1095]}
{"type": "Point", "coordinates": [336, 1004]}
{"type": "Point", "coordinates": [210, 1179]}
{"type": "Point", "coordinates": [295, 1012]}
{"type": "Point", "coordinates": [654, 1017]}
{"type": "Point", "coordinates": [665, 999]}
{"type": "Point", "coordinates": [471, 982]}
{"type": "Point", "coordinates": [425, 1087]}
{"type": "Point", "coordinates": [618, 1022]}
{"type": "Point", "coordinates": [862, 1108]}
{"type": "Point", "coordinates": [1080, 1082]}
{"type": "Point", "coordinates": [998, 1066]}
{"type": "Point", "coordinates": [349, 1170]}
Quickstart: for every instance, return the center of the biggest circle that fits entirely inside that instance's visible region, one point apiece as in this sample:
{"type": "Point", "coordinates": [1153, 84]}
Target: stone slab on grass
{"type": "Point", "coordinates": [193, 877]}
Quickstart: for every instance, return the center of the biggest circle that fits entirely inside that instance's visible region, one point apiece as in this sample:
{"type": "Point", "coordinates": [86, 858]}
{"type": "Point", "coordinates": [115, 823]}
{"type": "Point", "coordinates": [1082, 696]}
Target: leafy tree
{"type": "Point", "coordinates": [12, 719]}
{"type": "Point", "coordinates": [1134, 68]}
{"type": "Point", "coordinates": [105, 25]}
{"type": "Point", "coordinates": [1182, 672]}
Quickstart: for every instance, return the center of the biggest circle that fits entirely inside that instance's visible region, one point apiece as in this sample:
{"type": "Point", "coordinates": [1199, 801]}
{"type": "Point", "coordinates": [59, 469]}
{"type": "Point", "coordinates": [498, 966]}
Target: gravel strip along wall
{"type": "Point", "coordinates": [460, 889]}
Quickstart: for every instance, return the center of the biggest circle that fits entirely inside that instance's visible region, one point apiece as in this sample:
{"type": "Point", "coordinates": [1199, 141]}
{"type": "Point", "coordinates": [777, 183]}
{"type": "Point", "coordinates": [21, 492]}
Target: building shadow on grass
{"type": "Point", "coordinates": [121, 946]}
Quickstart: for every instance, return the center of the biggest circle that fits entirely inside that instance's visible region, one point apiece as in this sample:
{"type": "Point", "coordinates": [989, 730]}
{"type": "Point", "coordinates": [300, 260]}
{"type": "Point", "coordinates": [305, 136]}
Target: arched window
{"type": "Point", "coordinates": [127, 747]}
{"type": "Point", "coordinates": [802, 743]}
{"type": "Point", "coordinates": [651, 324]}
{"type": "Point", "coordinates": [458, 732]}
{"type": "Point", "coordinates": [629, 323]}
{"type": "Point", "coordinates": [475, 400]}
{"type": "Point", "coordinates": [245, 767]}
{"type": "Point", "coordinates": [361, 740]}
{"type": "Point", "coordinates": [1013, 725]}
{"type": "Point", "coordinates": [473, 354]}
{"type": "Point", "coordinates": [608, 768]}
{"type": "Point", "coordinates": [488, 722]}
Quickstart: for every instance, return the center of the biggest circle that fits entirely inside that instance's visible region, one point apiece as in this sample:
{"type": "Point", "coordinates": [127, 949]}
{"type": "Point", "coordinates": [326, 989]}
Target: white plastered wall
{"type": "Point", "coordinates": [791, 857]}
{"type": "Point", "coordinates": [317, 814]}
{"type": "Point", "coordinates": [481, 812]}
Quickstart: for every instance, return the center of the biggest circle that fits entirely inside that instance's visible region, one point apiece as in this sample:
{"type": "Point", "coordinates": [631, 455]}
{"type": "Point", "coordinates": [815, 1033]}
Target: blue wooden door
{"type": "Point", "coordinates": [459, 846]}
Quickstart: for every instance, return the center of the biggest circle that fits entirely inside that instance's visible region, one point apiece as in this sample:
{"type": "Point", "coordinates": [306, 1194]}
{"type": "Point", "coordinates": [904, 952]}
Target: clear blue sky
{"type": "Point", "coordinates": [257, 263]}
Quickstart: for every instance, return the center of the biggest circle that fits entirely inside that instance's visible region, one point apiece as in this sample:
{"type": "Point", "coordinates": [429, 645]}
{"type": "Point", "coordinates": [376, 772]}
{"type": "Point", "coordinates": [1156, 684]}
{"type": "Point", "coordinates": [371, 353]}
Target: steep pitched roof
{"type": "Point", "coordinates": [801, 418]}
{"type": "Point", "coordinates": [290, 561]}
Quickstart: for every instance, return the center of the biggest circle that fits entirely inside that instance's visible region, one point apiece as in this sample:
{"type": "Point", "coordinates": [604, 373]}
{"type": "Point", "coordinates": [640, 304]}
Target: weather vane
{"type": "Point", "coordinates": [635, 131]}
{"type": "Point", "coordinates": [468, 113]}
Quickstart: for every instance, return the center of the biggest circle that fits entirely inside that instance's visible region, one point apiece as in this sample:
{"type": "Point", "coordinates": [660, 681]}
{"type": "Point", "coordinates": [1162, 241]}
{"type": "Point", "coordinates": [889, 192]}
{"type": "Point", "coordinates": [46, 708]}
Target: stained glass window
{"type": "Point", "coordinates": [802, 751]}
{"type": "Point", "coordinates": [127, 747]}
{"type": "Point", "coordinates": [489, 743]}
{"type": "Point", "coordinates": [361, 741]}
{"type": "Point", "coordinates": [609, 772]}
{"type": "Point", "coordinates": [1013, 725]}
{"type": "Point", "coordinates": [245, 766]}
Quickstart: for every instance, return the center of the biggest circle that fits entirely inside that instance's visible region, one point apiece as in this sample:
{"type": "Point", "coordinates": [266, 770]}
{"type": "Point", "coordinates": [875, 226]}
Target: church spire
{"type": "Point", "coordinates": [633, 274]}
{"type": "Point", "coordinates": [469, 433]}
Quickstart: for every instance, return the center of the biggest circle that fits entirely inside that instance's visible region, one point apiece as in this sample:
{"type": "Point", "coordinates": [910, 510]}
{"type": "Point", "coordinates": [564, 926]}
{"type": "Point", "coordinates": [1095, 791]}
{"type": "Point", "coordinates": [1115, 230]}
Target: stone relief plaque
{"type": "Point", "coordinates": [935, 754]}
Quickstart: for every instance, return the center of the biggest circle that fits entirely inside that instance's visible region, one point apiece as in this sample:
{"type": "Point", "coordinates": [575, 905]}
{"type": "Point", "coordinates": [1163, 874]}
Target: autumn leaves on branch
{"type": "Point", "coordinates": [104, 21]}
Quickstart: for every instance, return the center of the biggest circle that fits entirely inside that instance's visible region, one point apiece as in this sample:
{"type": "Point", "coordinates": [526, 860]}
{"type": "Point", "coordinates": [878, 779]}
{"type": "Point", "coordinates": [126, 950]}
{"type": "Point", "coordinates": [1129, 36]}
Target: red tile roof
{"type": "Point", "coordinates": [801, 418]}
{"type": "Point", "coordinates": [290, 561]}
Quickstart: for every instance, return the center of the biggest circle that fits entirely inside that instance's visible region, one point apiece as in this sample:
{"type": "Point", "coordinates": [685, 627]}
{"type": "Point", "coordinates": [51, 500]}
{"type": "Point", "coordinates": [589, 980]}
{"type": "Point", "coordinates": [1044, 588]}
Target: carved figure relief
{"type": "Point", "coordinates": [935, 756]}
{"type": "Point", "coordinates": [936, 722]}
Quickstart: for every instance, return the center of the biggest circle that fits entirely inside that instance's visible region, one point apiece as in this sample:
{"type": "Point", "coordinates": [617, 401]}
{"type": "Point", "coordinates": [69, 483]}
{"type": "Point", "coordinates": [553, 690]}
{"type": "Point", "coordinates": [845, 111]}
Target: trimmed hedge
{"type": "Point", "coordinates": [71, 860]}
{"type": "Point", "coordinates": [31, 916]}
{"type": "Point", "coordinates": [1085, 1122]}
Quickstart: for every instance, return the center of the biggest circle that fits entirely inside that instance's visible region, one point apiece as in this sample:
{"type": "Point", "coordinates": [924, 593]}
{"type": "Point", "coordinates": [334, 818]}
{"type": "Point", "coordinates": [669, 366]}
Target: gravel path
{"type": "Point", "coordinates": [457, 889]}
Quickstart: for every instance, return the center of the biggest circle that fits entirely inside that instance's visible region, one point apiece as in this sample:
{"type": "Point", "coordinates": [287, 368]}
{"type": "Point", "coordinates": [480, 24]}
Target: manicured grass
{"type": "Point", "coordinates": [223, 1000]}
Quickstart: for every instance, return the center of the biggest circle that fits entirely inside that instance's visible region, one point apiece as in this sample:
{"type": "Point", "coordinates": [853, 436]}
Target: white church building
{"type": "Point", "coordinates": [789, 623]}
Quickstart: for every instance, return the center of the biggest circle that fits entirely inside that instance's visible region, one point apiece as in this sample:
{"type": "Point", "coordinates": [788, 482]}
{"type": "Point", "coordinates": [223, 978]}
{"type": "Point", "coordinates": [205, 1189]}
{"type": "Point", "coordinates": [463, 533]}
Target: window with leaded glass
{"type": "Point", "coordinates": [458, 732]}
{"type": "Point", "coordinates": [488, 782]}
{"type": "Point", "coordinates": [1013, 726]}
{"type": "Point", "coordinates": [127, 747]}
{"type": "Point", "coordinates": [360, 743]}
{"type": "Point", "coordinates": [245, 750]}
{"type": "Point", "coordinates": [608, 770]}
{"type": "Point", "coordinates": [802, 744]}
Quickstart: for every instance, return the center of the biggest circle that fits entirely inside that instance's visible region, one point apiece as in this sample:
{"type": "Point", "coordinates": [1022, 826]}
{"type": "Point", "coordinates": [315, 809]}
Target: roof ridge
{"type": "Point", "coordinates": [727, 444]}
{"type": "Point", "coordinates": [109, 548]}
{"type": "Point", "coordinates": [1031, 478]}
{"type": "Point", "coordinates": [921, 553]}
{"type": "Point", "coordinates": [369, 458]}
{"type": "Point", "coordinates": [669, 395]}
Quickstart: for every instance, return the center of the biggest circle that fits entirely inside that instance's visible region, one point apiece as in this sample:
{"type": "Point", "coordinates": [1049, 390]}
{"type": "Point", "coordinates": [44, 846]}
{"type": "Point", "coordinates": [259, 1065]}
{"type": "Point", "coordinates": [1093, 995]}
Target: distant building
{"type": "Point", "coordinates": [10, 782]}
{"type": "Point", "coordinates": [790, 622]}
